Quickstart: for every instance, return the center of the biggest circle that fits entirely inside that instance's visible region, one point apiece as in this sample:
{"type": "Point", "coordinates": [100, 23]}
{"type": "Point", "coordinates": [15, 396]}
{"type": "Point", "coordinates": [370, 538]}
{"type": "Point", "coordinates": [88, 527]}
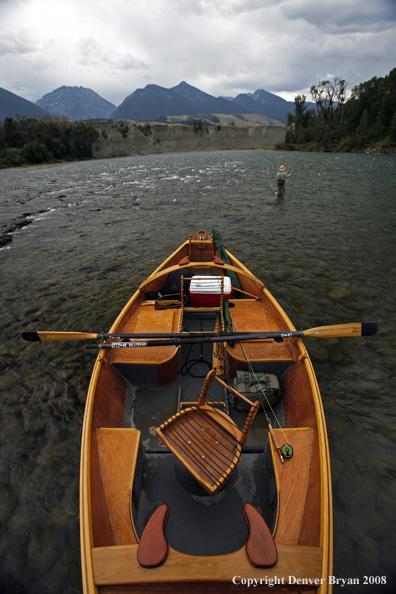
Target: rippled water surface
{"type": "Point", "coordinates": [79, 238]}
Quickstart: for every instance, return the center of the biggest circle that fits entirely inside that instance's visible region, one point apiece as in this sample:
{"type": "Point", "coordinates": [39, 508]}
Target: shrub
{"type": "Point", "coordinates": [36, 152]}
{"type": "Point", "coordinates": [146, 129]}
{"type": "Point", "coordinates": [11, 157]}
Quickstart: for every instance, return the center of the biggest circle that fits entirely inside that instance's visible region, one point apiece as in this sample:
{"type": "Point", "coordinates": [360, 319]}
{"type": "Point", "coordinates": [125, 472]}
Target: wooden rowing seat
{"type": "Point", "coordinates": [206, 440]}
{"type": "Point", "coordinates": [293, 481]}
{"type": "Point", "coordinates": [118, 450]}
{"type": "Point", "coordinates": [148, 319]}
{"type": "Point", "coordinates": [252, 316]}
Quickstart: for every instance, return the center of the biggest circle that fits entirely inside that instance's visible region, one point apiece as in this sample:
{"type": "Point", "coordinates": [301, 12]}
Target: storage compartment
{"type": "Point", "coordinates": [262, 386]}
{"type": "Point", "coordinates": [205, 291]}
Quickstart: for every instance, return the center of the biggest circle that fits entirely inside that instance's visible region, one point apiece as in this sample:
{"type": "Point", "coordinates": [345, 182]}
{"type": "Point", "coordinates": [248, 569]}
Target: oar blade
{"type": "Point", "coordinates": [343, 330]}
{"type": "Point", "coordinates": [54, 336]}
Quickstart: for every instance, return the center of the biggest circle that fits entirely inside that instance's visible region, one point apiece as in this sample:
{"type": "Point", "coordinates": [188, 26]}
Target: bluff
{"type": "Point", "coordinates": [137, 139]}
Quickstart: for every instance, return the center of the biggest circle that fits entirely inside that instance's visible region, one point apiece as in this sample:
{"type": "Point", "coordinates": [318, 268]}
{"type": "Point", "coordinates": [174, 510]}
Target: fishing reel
{"type": "Point", "coordinates": [287, 451]}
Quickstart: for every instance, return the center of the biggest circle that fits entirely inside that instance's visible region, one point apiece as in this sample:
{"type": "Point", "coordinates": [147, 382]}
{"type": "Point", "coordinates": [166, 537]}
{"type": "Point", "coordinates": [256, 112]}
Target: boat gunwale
{"type": "Point", "coordinates": [86, 530]}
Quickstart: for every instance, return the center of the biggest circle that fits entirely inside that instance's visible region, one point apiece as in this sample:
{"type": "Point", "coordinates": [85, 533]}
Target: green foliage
{"type": "Point", "coordinates": [123, 129]}
{"type": "Point", "coordinates": [145, 129]}
{"type": "Point", "coordinates": [36, 152]}
{"type": "Point", "coordinates": [367, 119]}
{"type": "Point", "coordinates": [11, 157]}
{"type": "Point", "coordinates": [198, 126]}
{"type": "Point", "coordinates": [41, 141]}
{"type": "Point", "coordinates": [392, 129]}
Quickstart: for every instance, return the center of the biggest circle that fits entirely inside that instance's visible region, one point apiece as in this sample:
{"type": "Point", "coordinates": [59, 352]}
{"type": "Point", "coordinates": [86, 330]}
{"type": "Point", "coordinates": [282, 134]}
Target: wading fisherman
{"type": "Point", "coordinates": [281, 178]}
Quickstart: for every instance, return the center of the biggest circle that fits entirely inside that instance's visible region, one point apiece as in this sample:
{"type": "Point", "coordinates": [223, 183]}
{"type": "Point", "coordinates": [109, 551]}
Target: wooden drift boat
{"type": "Point", "coordinates": [184, 481]}
{"type": "Point", "coordinates": [185, 484]}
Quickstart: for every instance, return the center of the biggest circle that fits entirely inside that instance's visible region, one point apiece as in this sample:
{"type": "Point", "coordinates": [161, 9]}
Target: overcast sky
{"type": "Point", "coordinates": [223, 47]}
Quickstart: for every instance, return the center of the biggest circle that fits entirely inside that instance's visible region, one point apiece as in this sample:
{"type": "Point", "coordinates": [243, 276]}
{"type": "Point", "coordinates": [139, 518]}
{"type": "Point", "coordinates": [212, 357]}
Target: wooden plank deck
{"type": "Point", "coordinates": [146, 320]}
{"type": "Point", "coordinates": [293, 480]}
{"type": "Point", "coordinates": [119, 566]}
{"type": "Point", "coordinates": [251, 316]}
{"type": "Point", "coordinates": [117, 453]}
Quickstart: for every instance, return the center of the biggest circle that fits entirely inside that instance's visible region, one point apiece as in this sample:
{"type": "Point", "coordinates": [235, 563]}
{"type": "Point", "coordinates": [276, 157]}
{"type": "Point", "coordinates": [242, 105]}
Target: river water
{"type": "Point", "coordinates": [79, 238]}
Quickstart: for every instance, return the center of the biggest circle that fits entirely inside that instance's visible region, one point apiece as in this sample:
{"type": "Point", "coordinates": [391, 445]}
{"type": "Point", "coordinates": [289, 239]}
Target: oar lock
{"type": "Point", "coordinates": [287, 451]}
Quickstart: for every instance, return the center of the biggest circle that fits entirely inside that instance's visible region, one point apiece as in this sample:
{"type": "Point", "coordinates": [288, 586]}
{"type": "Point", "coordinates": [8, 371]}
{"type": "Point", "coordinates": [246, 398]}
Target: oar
{"type": "Point", "coordinates": [37, 336]}
{"type": "Point", "coordinates": [337, 331]}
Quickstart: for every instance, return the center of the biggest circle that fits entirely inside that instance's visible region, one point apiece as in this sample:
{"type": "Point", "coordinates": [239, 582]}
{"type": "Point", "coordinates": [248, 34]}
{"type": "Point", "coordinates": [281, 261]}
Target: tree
{"type": "Point", "coordinates": [36, 152]}
{"type": "Point", "coordinates": [299, 122]}
{"type": "Point", "coordinates": [329, 97]}
{"type": "Point", "coordinates": [392, 129]}
{"type": "Point", "coordinates": [366, 118]}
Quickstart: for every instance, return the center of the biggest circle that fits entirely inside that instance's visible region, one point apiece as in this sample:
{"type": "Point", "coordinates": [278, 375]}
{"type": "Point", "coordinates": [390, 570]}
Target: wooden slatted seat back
{"type": "Point", "coordinates": [207, 438]}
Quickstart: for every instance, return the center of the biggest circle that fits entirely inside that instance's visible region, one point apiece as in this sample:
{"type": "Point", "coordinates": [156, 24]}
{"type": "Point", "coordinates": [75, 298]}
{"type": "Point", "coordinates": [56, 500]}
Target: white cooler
{"type": "Point", "coordinates": [205, 291]}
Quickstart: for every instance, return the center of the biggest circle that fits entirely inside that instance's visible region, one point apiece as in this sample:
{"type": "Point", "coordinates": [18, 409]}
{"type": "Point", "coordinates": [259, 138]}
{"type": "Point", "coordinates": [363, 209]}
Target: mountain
{"type": "Point", "coordinates": [203, 102]}
{"type": "Point", "coordinates": [151, 103]}
{"type": "Point", "coordinates": [154, 101]}
{"type": "Point", "coordinates": [76, 103]}
{"type": "Point", "coordinates": [267, 104]}
{"type": "Point", "coordinates": [12, 105]}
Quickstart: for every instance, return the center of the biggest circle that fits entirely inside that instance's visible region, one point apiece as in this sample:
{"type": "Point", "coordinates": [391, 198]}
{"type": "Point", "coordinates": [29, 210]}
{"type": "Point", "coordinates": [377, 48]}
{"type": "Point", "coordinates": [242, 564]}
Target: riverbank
{"type": "Point", "coordinates": [104, 140]}
{"type": "Point", "coordinates": [123, 140]}
{"type": "Point", "coordinates": [314, 147]}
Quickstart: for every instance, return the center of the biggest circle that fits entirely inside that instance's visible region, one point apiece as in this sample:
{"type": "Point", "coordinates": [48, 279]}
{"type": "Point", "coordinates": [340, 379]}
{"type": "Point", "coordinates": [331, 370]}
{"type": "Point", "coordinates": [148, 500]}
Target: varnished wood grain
{"type": "Point", "coordinates": [260, 545]}
{"type": "Point", "coordinates": [153, 546]}
{"type": "Point", "coordinates": [253, 316]}
{"type": "Point", "coordinates": [119, 566]}
{"type": "Point", "coordinates": [207, 450]}
{"type": "Point", "coordinates": [146, 320]}
{"type": "Point", "coordinates": [292, 479]}
{"type": "Point", "coordinates": [117, 452]}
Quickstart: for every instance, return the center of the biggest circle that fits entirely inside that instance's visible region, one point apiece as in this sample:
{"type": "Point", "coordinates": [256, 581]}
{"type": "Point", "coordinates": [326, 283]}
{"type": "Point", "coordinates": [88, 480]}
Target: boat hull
{"type": "Point", "coordinates": [115, 456]}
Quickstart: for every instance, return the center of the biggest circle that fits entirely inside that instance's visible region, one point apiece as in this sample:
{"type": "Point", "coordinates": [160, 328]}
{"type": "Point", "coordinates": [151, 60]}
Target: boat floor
{"type": "Point", "coordinates": [148, 405]}
{"type": "Point", "coordinates": [201, 524]}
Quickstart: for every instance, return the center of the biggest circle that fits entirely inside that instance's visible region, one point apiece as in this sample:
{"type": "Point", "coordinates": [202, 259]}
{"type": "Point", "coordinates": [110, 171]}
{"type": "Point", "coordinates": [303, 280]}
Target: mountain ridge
{"type": "Point", "coordinates": [154, 102]}
{"type": "Point", "coordinates": [12, 105]}
{"type": "Point", "coordinates": [151, 103]}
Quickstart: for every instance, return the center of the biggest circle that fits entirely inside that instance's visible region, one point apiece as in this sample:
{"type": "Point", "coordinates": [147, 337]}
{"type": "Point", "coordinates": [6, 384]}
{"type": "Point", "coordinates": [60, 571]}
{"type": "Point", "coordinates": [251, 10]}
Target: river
{"type": "Point", "coordinates": [79, 238]}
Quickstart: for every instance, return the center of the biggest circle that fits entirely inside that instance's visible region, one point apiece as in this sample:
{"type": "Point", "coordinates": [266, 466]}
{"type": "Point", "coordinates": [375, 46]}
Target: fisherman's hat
{"type": "Point", "coordinates": [282, 168]}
